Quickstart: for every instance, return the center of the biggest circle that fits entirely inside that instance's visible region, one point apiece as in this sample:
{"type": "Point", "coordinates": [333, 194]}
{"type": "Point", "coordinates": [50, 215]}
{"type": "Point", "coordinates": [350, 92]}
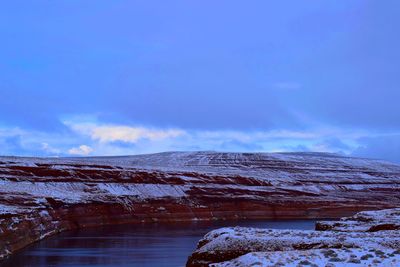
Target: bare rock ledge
{"type": "Point", "coordinates": [348, 242]}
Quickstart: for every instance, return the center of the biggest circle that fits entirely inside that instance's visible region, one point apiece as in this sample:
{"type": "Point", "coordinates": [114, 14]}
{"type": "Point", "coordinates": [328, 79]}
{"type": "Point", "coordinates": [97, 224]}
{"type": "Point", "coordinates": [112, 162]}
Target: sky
{"type": "Point", "coordinates": [87, 78]}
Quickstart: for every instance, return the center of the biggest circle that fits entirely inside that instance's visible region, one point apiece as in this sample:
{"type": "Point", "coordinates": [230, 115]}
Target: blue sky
{"type": "Point", "coordinates": [128, 77]}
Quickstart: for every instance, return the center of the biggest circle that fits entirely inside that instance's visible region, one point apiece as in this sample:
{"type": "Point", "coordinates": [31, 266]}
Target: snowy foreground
{"type": "Point", "coordinates": [367, 239]}
{"type": "Point", "coordinates": [318, 257]}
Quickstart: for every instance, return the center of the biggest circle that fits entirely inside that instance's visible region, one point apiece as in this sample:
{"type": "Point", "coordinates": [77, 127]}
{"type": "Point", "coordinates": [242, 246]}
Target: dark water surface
{"type": "Point", "coordinates": [130, 245]}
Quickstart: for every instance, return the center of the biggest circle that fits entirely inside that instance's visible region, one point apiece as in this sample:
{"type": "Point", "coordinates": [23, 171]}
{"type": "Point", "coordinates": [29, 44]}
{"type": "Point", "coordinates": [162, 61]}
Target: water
{"type": "Point", "coordinates": [130, 245]}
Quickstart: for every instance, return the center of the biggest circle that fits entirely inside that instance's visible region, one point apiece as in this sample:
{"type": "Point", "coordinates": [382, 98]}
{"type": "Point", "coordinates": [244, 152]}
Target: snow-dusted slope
{"type": "Point", "coordinates": [40, 196]}
{"type": "Point", "coordinates": [356, 246]}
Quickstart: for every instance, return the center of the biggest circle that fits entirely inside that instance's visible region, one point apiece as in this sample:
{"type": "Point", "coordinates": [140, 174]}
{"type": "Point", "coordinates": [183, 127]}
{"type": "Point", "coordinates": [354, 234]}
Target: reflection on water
{"type": "Point", "coordinates": [130, 245]}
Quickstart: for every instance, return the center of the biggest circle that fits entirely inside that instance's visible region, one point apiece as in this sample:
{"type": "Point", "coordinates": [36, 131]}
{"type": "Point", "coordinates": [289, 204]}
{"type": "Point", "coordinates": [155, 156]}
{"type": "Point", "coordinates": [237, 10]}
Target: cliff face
{"type": "Point", "coordinates": [360, 240]}
{"type": "Point", "coordinates": [40, 197]}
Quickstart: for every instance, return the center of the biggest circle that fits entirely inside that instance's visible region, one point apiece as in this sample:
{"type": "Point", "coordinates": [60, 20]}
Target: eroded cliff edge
{"type": "Point", "coordinates": [43, 196]}
{"type": "Point", "coordinates": [369, 238]}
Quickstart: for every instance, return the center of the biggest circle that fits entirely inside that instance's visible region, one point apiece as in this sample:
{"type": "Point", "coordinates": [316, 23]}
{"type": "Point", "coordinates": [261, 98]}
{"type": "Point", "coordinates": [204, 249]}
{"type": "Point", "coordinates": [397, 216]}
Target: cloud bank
{"type": "Point", "coordinates": [94, 138]}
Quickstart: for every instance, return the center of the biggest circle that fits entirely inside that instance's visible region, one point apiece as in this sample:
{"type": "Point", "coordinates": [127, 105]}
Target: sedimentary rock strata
{"type": "Point", "coordinates": [42, 196]}
{"type": "Point", "coordinates": [343, 244]}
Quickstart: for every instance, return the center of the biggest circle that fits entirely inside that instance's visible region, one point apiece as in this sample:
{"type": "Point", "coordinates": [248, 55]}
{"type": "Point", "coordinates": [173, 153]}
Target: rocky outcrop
{"type": "Point", "coordinates": [348, 242]}
{"type": "Point", "coordinates": [43, 196]}
{"type": "Point", "coordinates": [366, 221]}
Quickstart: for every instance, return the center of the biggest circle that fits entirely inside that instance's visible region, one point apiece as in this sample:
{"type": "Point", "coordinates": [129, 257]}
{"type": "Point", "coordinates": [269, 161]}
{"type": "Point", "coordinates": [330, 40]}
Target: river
{"type": "Point", "coordinates": [141, 245]}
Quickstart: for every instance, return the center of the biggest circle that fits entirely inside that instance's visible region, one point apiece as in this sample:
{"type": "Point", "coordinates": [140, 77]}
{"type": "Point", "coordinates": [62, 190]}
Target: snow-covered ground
{"type": "Point", "coordinates": [271, 177]}
{"type": "Point", "coordinates": [366, 221]}
{"type": "Point", "coordinates": [263, 165]}
{"type": "Point", "coordinates": [355, 246]}
{"type": "Point", "coordinates": [318, 258]}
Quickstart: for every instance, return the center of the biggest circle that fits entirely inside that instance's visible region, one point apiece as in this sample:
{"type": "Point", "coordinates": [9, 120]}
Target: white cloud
{"type": "Point", "coordinates": [49, 149]}
{"type": "Point", "coordinates": [131, 134]}
{"type": "Point", "coordinates": [112, 133]}
{"type": "Point", "coordinates": [82, 150]}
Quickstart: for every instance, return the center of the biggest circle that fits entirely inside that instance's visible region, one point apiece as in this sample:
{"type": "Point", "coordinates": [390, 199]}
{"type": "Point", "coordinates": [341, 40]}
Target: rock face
{"type": "Point", "coordinates": [345, 243]}
{"type": "Point", "coordinates": [43, 196]}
